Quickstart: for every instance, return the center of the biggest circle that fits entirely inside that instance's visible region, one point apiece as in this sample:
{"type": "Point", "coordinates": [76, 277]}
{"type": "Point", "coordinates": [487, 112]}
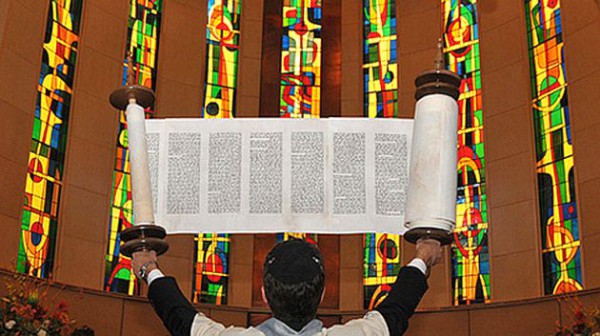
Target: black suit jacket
{"type": "Point", "coordinates": [173, 308]}
{"type": "Point", "coordinates": [403, 299]}
{"type": "Point", "coordinates": [178, 314]}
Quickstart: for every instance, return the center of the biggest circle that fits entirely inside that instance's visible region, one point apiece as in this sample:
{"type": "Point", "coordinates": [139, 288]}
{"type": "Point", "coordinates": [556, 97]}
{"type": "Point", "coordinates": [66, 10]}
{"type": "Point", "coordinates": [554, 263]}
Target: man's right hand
{"type": "Point", "coordinates": [430, 251]}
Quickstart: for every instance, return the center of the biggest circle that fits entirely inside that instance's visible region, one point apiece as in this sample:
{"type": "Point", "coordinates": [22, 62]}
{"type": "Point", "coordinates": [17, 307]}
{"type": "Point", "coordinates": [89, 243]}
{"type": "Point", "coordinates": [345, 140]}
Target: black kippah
{"type": "Point", "coordinates": [294, 261]}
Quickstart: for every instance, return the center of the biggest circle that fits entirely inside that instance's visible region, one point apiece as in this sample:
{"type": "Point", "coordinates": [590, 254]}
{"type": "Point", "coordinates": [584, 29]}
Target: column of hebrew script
{"type": "Point", "coordinates": [308, 172]}
{"type": "Point", "coordinates": [266, 173]}
{"type": "Point", "coordinates": [183, 173]}
{"type": "Point", "coordinates": [391, 173]}
{"type": "Point", "coordinates": [224, 172]}
{"type": "Point", "coordinates": [349, 185]}
{"type": "Point", "coordinates": [153, 141]}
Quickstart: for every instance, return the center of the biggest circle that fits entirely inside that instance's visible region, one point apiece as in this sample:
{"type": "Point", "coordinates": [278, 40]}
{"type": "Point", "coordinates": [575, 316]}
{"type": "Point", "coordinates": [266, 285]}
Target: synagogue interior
{"type": "Point", "coordinates": [525, 252]}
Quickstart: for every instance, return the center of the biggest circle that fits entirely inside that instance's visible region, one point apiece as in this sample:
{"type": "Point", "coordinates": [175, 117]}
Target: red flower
{"type": "Point", "coordinates": [62, 305]}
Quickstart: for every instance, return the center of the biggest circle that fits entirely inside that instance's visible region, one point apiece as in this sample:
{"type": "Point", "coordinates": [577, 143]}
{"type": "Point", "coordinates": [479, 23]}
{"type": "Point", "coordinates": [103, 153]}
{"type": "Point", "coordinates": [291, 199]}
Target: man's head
{"type": "Point", "coordinates": [294, 280]}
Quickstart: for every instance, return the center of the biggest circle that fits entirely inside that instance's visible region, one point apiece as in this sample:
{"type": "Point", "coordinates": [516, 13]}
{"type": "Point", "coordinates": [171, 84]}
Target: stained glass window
{"type": "Point", "coordinates": [380, 68]}
{"type": "Point", "coordinates": [309, 237]}
{"type": "Point", "coordinates": [300, 92]}
{"type": "Point", "coordinates": [212, 269]}
{"type": "Point", "coordinates": [381, 266]}
{"type": "Point", "coordinates": [142, 42]}
{"type": "Point", "coordinates": [39, 222]}
{"type": "Point", "coordinates": [554, 148]}
{"type": "Point", "coordinates": [222, 46]}
{"type": "Point", "coordinates": [211, 273]}
{"type": "Point", "coordinates": [300, 95]}
{"type": "Point", "coordinates": [470, 258]}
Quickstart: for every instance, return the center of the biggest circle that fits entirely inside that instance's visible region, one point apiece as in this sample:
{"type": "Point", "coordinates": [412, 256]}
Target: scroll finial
{"type": "Point", "coordinates": [130, 73]}
{"type": "Point", "coordinates": [121, 98]}
{"type": "Point", "coordinates": [439, 58]}
{"type": "Point", "coordinates": [439, 79]}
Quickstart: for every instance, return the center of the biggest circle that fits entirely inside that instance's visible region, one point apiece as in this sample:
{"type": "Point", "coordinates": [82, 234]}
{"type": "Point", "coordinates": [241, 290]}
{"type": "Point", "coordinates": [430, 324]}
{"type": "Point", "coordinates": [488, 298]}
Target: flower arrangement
{"type": "Point", "coordinates": [582, 321]}
{"type": "Point", "coordinates": [27, 310]}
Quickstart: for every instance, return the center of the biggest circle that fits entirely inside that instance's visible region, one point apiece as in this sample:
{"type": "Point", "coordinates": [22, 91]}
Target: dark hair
{"type": "Point", "coordinates": [294, 304]}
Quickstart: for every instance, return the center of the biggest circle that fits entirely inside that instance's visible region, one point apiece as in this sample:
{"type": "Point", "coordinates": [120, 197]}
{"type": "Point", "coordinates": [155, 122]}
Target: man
{"type": "Point", "coordinates": [293, 287]}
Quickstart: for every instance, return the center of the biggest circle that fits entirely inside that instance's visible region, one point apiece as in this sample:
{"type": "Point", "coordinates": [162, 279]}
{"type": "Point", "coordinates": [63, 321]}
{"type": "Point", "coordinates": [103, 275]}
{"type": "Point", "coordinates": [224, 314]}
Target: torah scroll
{"type": "Point", "coordinates": [339, 175]}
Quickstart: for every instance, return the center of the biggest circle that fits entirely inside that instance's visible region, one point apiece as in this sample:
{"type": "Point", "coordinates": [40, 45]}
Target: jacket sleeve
{"type": "Point", "coordinates": [173, 308]}
{"type": "Point", "coordinates": [401, 302]}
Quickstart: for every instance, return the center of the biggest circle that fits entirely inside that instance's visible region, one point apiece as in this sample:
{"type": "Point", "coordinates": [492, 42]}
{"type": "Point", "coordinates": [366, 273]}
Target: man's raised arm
{"type": "Point", "coordinates": [409, 288]}
{"type": "Point", "coordinates": [166, 298]}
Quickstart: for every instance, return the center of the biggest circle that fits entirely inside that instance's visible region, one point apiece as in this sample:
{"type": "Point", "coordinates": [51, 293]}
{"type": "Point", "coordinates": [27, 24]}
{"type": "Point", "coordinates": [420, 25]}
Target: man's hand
{"type": "Point", "coordinates": [145, 259]}
{"type": "Point", "coordinates": [430, 251]}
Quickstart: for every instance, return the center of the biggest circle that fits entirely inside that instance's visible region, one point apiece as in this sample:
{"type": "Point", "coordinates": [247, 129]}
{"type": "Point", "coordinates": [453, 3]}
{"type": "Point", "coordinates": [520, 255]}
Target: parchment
{"type": "Point", "coordinates": [338, 175]}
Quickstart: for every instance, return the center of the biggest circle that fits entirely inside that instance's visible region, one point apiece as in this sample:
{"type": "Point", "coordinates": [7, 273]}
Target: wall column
{"type": "Point", "coordinates": [181, 60]}
{"type": "Point", "coordinates": [86, 194]}
{"type": "Point", "coordinates": [250, 56]}
{"type": "Point", "coordinates": [270, 70]}
{"type": "Point", "coordinates": [241, 261]}
{"type": "Point", "coordinates": [179, 92]}
{"type": "Point", "coordinates": [241, 253]}
{"type": "Point", "coordinates": [351, 86]}
{"type": "Point", "coordinates": [581, 24]}
{"type": "Point", "coordinates": [514, 231]}
{"type": "Point", "coordinates": [416, 52]}
{"type": "Point", "coordinates": [351, 273]}
{"type": "Point", "coordinates": [331, 58]}
{"type": "Point", "coordinates": [20, 59]}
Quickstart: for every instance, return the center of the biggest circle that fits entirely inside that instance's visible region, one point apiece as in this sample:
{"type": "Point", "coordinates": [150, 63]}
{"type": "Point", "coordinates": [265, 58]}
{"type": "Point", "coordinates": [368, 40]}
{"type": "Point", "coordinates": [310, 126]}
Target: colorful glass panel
{"type": "Point", "coordinates": [381, 266]}
{"type": "Point", "coordinates": [380, 66]}
{"type": "Point", "coordinates": [39, 220]}
{"type": "Point", "coordinates": [300, 92]}
{"type": "Point", "coordinates": [222, 47]}
{"type": "Point", "coordinates": [212, 268]}
{"type": "Point", "coordinates": [555, 165]}
{"type": "Point", "coordinates": [211, 273]}
{"type": "Point", "coordinates": [142, 42]}
{"type": "Point", "coordinates": [301, 71]}
{"type": "Point", "coordinates": [470, 257]}
{"type": "Point", "coordinates": [312, 238]}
